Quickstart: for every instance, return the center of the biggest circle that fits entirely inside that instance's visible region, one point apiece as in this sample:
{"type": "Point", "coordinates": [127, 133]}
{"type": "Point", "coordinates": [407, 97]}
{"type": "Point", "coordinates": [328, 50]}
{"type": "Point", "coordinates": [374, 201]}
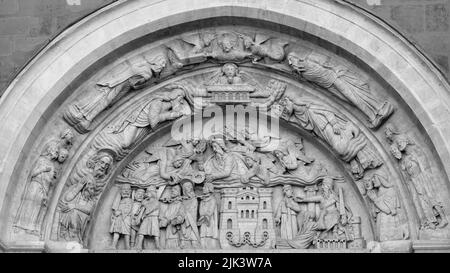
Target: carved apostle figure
{"type": "Point", "coordinates": [121, 217]}
{"type": "Point", "coordinates": [339, 133]}
{"type": "Point", "coordinates": [77, 203]}
{"type": "Point", "coordinates": [386, 206]}
{"type": "Point", "coordinates": [209, 218]}
{"type": "Point", "coordinates": [149, 214]}
{"type": "Point", "coordinates": [135, 219]}
{"type": "Point", "coordinates": [129, 75]}
{"type": "Point", "coordinates": [172, 217]}
{"type": "Point", "coordinates": [34, 201]}
{"type": "Point", "coordinates": [346, 84]}
{"type": "Point", "coordinates": [190, 237]}
{"type": "Point", "coordinates": [286, 214]}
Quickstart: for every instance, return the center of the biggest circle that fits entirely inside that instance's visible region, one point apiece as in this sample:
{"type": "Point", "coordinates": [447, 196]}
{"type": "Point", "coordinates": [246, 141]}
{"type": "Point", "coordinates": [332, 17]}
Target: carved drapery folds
{"type": "Point", "coordinates": [233, 189]}
{"type": "Point", "coordinates": [39, 188]}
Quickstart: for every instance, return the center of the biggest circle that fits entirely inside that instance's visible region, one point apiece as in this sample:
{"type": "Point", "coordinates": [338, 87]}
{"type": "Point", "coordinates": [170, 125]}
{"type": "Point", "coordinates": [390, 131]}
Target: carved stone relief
{"type": "Point", "coordinates": [233, 189]}
{"type": "Point", "coordinates": [39, 188]}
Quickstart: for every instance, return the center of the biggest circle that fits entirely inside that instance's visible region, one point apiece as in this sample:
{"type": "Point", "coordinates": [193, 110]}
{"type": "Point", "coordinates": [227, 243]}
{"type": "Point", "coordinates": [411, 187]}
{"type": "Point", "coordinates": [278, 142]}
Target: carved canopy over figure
{"type": "Point", "coordinates": [345, 83]}
{"type": "Point", "coordinates": [129, 75]}
{"type": "Point", "coordinates": [343, 136]}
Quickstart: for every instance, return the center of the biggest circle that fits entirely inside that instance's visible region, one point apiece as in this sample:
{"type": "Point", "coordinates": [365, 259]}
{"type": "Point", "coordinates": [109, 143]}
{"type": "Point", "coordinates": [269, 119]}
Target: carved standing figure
{"type": "Point", "coordinates": [129, 75]}
{"type": "Point", "coordinates": [346, 84]}
{"type": "Point", "coordinates": [209, 218]}
{"type": "Point", "coordinates": [78, 201]}
{"type": "Point", "coordinates": [190, 237]}
{"type": "Point", "coordinates": [172, 218]}
{"type": "Point", "coordinates": [121, 217]}
{"type": "Point", "coordinates": [149, 214]}
{"type": "Point", "coordinates": [286, 214]}
{"type": "Point", "coordinates": [34, 201]}
{"type": "Point", "coordinates": [415, 167]}
{"type": "Point", "coordinates": [135, 219]}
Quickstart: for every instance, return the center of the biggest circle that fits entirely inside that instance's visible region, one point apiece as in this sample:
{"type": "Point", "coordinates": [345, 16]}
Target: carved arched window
{"type": "Point", "coordinates": [242, 214]}
{"type": "Point", "coordinates": [264, 205]}
{"type": "Point", "coordinates": [229, 204]}
{"type": "Point", "coordinates": [253, 214]}
{"type": "Point", "coordinates": [247, 214]}
{"type": "Point", "coordinates": [264, 224]}
{"type": "Point", "coordinates": [229, 224]}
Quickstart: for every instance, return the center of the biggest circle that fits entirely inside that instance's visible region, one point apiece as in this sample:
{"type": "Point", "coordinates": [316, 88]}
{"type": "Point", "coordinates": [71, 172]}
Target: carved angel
{"type": "Point", "coordinates": [344, 83]}
{"type": "Point", "coordinates": [129, 75]}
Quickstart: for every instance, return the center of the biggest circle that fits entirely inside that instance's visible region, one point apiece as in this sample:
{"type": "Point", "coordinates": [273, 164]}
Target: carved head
{"type": "Point", "coordinates": [230, 70]}
{"type": "Point", "coordinates": [188, 189]}
{"type": "Point", "coordinates": [175, 191]}
{"type": "Point", "coordinates": [295, 61]}
{"type": "Point", "coordinates": [125, 191]}
{"type": "Point", "coordinates": [100, 164]}
{"type": "Point", "coordinates": [67, 135]}
{"type": "Point", "coordinates": [395, 151]}
{"type": "Point", "coordinates": [287, 190]}
{"type": "Point", "coordinates": [52, 151]}
{"type": "Point", "coordinates": [63, 154]}
{"type": "Point", "coordinates": [249, 161]}
{"type": "Point", "coordinates": [218, 146]}
{"type": "Point", "coordinates": [227, 42]}
{"type": "Point", "coordinates": [151, 192]}
{"type": "Point", "coordinates": [368, 184]}
{"type": "Point", "coordinates": [390, 131]}
{"type": "Point", "coordinates": [248, 41]}
{"type": "Point", "coordinates": [208, 188]}
{"type": "Point", "coordinates": [178, 162]}
{"type": "Point", "coordinates": [139, 195]}
{"type": "Point", "coordinates": [158, 64]}
{"type": "Point", "coordinates": [200, 146]}
{"type": "Point", "coordinates": [327, 184]}
{"type": "Point", "coordinates": [207, 38]}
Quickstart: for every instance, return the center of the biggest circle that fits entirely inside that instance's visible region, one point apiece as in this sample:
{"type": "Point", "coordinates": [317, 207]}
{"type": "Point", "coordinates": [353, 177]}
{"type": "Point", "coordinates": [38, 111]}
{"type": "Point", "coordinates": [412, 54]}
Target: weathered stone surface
{"type": "Point", "coordinates": [323, 181]}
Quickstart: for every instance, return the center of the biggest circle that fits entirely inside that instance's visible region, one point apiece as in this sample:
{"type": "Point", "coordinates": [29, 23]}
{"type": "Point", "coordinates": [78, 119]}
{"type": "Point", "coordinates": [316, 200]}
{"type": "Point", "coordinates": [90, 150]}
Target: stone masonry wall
{"type": "Point", "coordinates": [28, 25]}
